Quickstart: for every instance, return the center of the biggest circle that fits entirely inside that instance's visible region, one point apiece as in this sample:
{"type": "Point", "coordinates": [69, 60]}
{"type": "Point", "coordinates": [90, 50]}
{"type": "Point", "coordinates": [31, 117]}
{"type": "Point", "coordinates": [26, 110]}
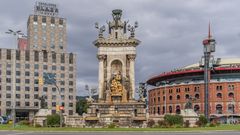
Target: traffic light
{"type": "Point", "coordinates": [40, 81]}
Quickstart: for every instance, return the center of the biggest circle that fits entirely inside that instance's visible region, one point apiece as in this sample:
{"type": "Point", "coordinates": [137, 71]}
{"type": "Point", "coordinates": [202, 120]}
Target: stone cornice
{"type": "Point", "coordinates": [101, 42]}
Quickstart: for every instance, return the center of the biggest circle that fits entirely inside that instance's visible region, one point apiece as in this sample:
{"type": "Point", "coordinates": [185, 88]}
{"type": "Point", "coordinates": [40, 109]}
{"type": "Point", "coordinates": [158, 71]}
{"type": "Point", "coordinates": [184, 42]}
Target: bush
{"type": "Point", "coordinates": [162, 123]}
{"type": "Point", "coordinates": [151, 123]}
{"type": "Point", "coordinates": [112, 125]}
{"type": "Point", "coordinates": [212, 125]}
{"type": "Point", "coordinates": [24, 122]}
{"type": "Point", "coordinates": [53, 120]}
{"type": "Point", "coordinates": [38, 125]}
{"type": "Point", "coordinates": [173, 119]}
{"type": "Point", "coordinates": [202, 122]}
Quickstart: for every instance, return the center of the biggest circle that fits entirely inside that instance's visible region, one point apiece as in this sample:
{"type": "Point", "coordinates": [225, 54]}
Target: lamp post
{"type": "Point", "coordinates": [15, 34]}
{"type": "Point", "coordinates": [209, 47]}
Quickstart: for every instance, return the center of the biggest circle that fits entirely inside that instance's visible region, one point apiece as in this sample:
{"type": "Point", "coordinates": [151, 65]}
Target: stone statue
{"type": "Point", "coordinates": [116, 85]}
{"type": "Point", "coordinates": [43, 103]}
{"type": "Point", "coordinates": [189, 103]}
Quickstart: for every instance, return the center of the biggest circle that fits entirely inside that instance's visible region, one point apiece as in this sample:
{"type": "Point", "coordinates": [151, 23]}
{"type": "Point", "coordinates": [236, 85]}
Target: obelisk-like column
{"type": "Point", "coordinates": [101, 59]}
{"type": "Point", "coordinates": [131, 58]}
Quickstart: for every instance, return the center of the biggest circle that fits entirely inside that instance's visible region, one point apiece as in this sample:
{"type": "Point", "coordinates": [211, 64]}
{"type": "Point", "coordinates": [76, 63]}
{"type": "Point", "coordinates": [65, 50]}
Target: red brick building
{"type": "Point", "coordinates": [173, 89]}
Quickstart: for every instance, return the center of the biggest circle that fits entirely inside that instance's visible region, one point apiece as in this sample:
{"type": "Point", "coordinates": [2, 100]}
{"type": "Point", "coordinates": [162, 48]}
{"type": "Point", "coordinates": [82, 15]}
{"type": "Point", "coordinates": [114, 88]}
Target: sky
{"type": "Point", "coordinates": [170, 31]}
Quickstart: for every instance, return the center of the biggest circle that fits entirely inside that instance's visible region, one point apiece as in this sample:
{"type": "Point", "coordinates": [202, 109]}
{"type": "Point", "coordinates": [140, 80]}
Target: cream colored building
{"type": "Point", "coordinates": [46, 53]}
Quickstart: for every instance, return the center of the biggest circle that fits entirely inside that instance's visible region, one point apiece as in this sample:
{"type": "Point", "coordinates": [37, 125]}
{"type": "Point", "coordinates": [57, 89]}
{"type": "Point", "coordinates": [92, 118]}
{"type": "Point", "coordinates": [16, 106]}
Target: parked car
{"type": "Point", "coordinates": [3, 120]}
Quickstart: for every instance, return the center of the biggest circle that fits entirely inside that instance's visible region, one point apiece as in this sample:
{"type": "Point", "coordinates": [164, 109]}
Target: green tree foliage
{"type": "Point", "coordinates": [173, 119]}
{"type": "Point", "coordinates": [53, 120]}
{"type": "Point", "coordinates": [81, 106]}
{"type": "Point", "coordinates": [202, 121]}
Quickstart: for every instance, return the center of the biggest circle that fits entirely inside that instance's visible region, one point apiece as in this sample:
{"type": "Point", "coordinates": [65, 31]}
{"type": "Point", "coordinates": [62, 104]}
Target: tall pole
{"type": "Point", "coordinates": [60, 104]}
{"type": "Point", "coordinates": [13, 99]}
{"type": "Point", "coordinates": [165, 100]}
{"type": "Point", "coordinates": [206, 83]}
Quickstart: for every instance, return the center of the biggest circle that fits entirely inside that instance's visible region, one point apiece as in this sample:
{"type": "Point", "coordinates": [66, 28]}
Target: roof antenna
{"type": "Point", "coordinates": [209, 30]}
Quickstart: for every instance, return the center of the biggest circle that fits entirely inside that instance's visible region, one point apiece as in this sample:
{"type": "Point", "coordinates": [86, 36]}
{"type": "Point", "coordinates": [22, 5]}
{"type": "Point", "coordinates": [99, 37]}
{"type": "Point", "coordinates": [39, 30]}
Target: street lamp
{"type": "Point", "coordinates": [16, 35]}
{"type": "Point", "coordinates": [209, 47]}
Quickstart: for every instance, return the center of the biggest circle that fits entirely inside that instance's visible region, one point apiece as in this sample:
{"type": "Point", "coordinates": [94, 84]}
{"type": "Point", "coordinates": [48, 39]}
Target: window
{"type": "Point", "coordinates": [27, 89]}
{"type": "Point", "coordinates": [8, 88]}
{"type": "Point", "coordinates": [196, 108]}
{"type": "Point", "coordinates": [54, 57]}
{"type": "Point", "coordinates": [70, 104]}
{"type": "Point", "coordinates": [178, 97]}
{"type": "Point", "coordinates": [170, 97]}
{"type": "Point", "coordinates": [8, 54]}
{"type": "Point", "coordinates": [36, 81]}
{"type": "Point", "coordinates": [8, 103]}
{"type": "Point", "coordinates": [27, 96]}
{"type": "Point", "coordinates": [36, 74]}
{"type": "Point", "coordinates": [18, 88]}
{"type": "Point", "coordinates": [18, 73]}
{"type": "Point", "coordinates": [60, 21]}
{"type": "Point", "coordinates": [53, 90]}
{"type": "Point", "coordinates": [35, 18]}
{"type": "Point", "coordinates": [35, 96]}
{"type": "Point", "coordinates": [197, 96]}
{"type": "Point", "coordinates": [54, 104]}
{"type": "Point", "coordinates": [36, 56]}
{"type": "Point", "coordinates": [45, 67]}
{"type": "Point", "coordinates": [62, 75]}
{"type": "Point", "coordinates": [27, 66]}
{"type": "Point", "coordinates": [71, 58]}
{"type": "Point", "coordinates": [62, 58]}
{"type": "Point", "coordinates": [18, 103]}
{"type": "Point", "coordinates": [187, 89]}
{"type": "Point", "coordinates": [70, 90]}
{"type": "Point", "coordinates": [8, 80]}
{"type": "Point", "coordinates": [18, 96]}
{"type": "Point", "coordinates": [36, 89]}
{"type": "Point", "coordinates": [36, 104]}
{"type": "Point", "coordinates": [70, 75]}
{"type": "Point", "coordinates": [27, 104]}
{"type": "Point", "coordinates": [52, 20]}
{"type": "Point", "coordinates": [45, 89]}
{"type": "Point", "coordinates": [27, 81]}
{"type": "Point", "coordinates": [54, 97]}
{"type": "Point", "coordinates": [18, 81]}
{"type": "Point", "coordinates": [218, 87]}
{"type": "Point", "coordinates": [8, 72]}
{"type": "Point", "coordinates": [70, 68]}
{"type": "Point", "coordinates": [36, 66]}
{"type": "Point", "coordinates": [230, 95]}
{"type": "Point", "coordinates": [62, 97]}
{"type": "Point", "coordinates": [18, 55]}
{"type": "Point", "coordinates": [70, 83]}
{"type": "Point", "coordinates": [62, 68]}
{"type": "Point", "coordinates": [219, 95]}
{"type": "Point", "coordinates": [230, 87]}
{"type": "Point", "coordinates": [27, 55]}
{"type": "Point", "coordinates": [27, 73]}
{"type": "Point", "coordinates": [18, 65]}
{"type": "Point", "coordinates": [187, 96]}
{"type": "Point", "coordinates": [62, 90]}
{"type": "Point", "coordinates": [45, 56]}
{"type": "Point", "coordinates": [219, 109]}
{"type": "Point", "coordinates": [8, 95]}
{"type": "Point", "coordinates": [54, 67]}
{"type": "Point", "coordinates": [44, 19]}
{"type": "Point", "coordinates": [71, 97]}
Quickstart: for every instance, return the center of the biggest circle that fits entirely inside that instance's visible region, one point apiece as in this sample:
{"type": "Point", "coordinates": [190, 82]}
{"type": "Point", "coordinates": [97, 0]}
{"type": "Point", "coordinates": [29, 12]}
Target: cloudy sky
{"type": "Point", "coordinates": [171, 31]}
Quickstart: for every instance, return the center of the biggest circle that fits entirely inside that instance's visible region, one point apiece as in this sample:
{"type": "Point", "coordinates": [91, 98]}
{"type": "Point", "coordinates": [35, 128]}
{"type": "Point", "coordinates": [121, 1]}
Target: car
{"type": "Point", "coordinates": [3, 120]}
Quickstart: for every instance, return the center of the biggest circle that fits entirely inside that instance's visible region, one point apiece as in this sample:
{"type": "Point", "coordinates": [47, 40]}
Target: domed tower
{"type": "Point", "coordinates": [116, 55]}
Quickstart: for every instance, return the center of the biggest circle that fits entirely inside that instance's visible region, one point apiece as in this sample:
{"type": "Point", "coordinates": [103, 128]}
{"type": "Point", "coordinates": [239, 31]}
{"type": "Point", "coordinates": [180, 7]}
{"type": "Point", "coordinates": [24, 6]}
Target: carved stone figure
{"type": "Point", "coordinates": [116, 84]}
{"type": "Point", "coordinates": [43, 103]}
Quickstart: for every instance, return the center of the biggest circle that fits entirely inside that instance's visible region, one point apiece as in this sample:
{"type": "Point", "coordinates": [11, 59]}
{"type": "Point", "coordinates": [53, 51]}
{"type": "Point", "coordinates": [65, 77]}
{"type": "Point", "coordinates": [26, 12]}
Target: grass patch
{"type": "Point", "coordinates": [30, 128]}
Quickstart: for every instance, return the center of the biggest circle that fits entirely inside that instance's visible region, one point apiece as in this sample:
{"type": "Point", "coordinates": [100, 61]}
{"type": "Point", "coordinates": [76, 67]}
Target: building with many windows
{"type": "Point", "coordinates": [175, 88]}
{"type": "Point", "coordinates": [46, 52]}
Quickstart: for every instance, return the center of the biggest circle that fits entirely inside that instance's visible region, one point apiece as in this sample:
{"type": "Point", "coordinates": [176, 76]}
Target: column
{"type": "Point", "coordinates": [131, 58]}
{"type": "Point", "coordinates": [101, 75]}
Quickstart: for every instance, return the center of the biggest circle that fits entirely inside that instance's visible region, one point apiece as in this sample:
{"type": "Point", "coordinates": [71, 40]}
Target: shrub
{"type": "Point", "coordinates": [151, 123]}
{"type": "Point", "coordinates": [212, 125]}
{"type": "Point", "coordinates": [53, 120]}
{"type": "Point", "coordinates": [173, 119]}
{"type": "Point", "coordinates": [112, 125]}
{"type": "Point", "coordinates": [38, 125]}
{"type": "Point", "coordinates": [202, 121]}
{"type": "Point", "coordinates": [162, 123]}
{"type": "Point", "coordinates": [24, 122]}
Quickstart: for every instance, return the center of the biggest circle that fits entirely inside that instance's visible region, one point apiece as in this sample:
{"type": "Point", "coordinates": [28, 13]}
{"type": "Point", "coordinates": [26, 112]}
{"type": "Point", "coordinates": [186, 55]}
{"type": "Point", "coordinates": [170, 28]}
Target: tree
{"type": "Point", "coordinates": [81, 106]}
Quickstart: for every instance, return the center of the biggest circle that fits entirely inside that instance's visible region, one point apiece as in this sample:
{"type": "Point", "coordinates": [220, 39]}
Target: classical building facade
{"type": "Point", "coordinates": [46, 52]}
{"type": "Point", "coordinates": [116, 55]}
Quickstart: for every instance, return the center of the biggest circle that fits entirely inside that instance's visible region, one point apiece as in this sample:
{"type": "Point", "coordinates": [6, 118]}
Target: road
{"type": "Point", "coordinates": [121, 133]}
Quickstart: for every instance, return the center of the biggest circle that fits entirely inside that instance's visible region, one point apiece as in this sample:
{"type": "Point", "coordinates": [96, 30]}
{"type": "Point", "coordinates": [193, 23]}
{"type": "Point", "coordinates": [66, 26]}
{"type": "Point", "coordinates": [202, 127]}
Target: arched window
{"type": "Point", "coordinates": [218, 109]}
{"type": "Point", "coordinates": [170, 97]}
{"type": "Point", "coordinates": [219, 95]}
{"type": "Point", "coordinates": [178, 97]}
{"type": "Point", "coordinates": [230, 95]}
{"type": "Point", "coordinates": [231, 108]}
{"type": "Point", "coordinates": [196, 108]}
{"type": "Point", "coordinates": [163, 110]}
{"type": "Point", "coordinates": [158, 111]}
{"type": "Point", "coordinates": [197, 96]}
{"type": "Point", "coordinates": [187, 96]}
{"type": "Point", "coordinates": [178, 109]}
{"type": "Point", "coordinates": [170, 109]}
